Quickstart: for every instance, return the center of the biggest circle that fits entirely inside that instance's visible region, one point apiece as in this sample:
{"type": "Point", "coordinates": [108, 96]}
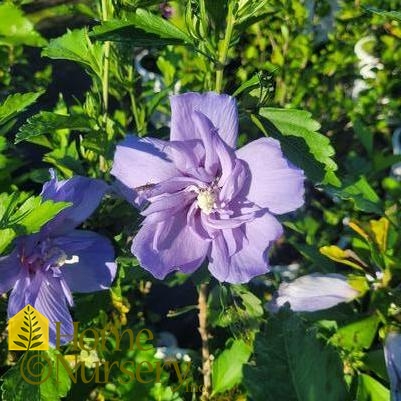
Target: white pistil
{"type": "Point", "coordinates": [72, 260]}
{"type": "Point", "coordinates": [206, 201]}
{"type": "Point", "coordinates": [59, 257]}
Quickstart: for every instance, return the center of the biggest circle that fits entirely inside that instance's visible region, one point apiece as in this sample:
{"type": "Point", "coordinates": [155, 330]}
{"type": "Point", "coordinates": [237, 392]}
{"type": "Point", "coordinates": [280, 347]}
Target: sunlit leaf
{"type": "Point", "coordinates": [227, 368]}
{"type": "Point", "coordinates": [360, 193]}
{"type": "Point", "coordinates": [396, 15]}
{"type": "Point", "coordinates": [301, 142]}
{"type": "Point", "coordinates": [16, 29]}
{"type": "Point", "coordinates": [46, 123]}
{"type": "Point", "coordinates": [76, 46]}
{"type": "Point", "coordinates": [370, 389]}
{"type": "Point", "coordinates": [380, 231]}
{"type": "Point", "coordinates": [357, 335]}
{"type": "Point", "coordinates": [15, 104]}
{"type": "Point", "coordinates": [346, 257]}
{"type": "Point", "coordinates": [141, 29]}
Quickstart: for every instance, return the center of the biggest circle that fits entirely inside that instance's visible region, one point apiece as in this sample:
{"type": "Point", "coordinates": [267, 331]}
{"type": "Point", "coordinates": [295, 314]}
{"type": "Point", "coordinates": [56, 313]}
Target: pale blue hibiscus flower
{"type": "Point", "coordinates": [204, 199]}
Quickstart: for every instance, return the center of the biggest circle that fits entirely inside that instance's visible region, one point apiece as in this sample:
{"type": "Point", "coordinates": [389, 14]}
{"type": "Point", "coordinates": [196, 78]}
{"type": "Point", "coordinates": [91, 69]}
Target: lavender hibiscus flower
{"type": "Point", "coordinates": [203, 197]}
{"type": "Point", "coordinates": [44, 268]}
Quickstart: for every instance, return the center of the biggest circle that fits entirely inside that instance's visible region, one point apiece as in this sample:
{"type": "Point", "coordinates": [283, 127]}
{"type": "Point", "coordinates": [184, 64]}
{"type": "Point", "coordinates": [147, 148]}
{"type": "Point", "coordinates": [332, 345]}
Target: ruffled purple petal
{"type": "Point", "coordinates": [221, 110]}
{"type": "Point", "coordinates": [169, 245]}
{"type": "Point", "coordinates": [170, 203]}
{"type": "Point", "coordinates": [52, 303]}
{"type": "Point", "coordinates": [188, 158]}
{"type": "Point", "coordinates": [219, 158]}
{"type": "Point", "coordinates": [234, 182]}
{"type": "Point", "coordinates": [172, 186]}
{"type": "Point", "coordinates": [85, 195]}
{"type": "Point", "coordinates": [275, 183]}
{"type": "Point", "coordinates": [90, 262]}
{"type": "Point", "coordinates": [392, 354]}
{"type": "Point", "coordinates": [315, 292]}
{"type": "Point", "coordinates": [206, 131]}
{"type": "Point", "coordinates": [10, 268]}
{"type": "Point", "coordinates": [239, 255]}
{"type": "Point", "coordinates": [141, 163]}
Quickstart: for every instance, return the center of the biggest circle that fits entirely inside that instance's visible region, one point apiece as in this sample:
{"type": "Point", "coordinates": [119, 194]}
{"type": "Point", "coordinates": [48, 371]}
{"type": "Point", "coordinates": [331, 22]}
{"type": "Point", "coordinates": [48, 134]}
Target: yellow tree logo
{"type": "Point", "coordinates": [28, 330]}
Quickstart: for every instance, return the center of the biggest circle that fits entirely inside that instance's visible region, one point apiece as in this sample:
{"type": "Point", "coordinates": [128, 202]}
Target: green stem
{"type": "Point", "coordinates": [134, 106]}
{"type": "Point", "coordinates": [105, 80]}
{"type": "Point", "coordinates": [223, 50]}
{"type": "Point", "coordinates": [106, 65]}
{"type": "Point", "coordinates": [105, 87]}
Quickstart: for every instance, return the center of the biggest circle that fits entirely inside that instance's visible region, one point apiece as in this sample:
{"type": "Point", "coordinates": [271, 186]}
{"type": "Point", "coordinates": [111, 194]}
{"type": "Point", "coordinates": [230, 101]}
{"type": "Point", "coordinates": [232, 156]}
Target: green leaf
{"type": "Point", "coordinates": [66, 159]}
{"type": "Point", "coordinates": [361, 194]}
{"type": "Point", "coordinates": [141, 29]}
{"type": "Point", "coordinates": [370, 389]}
{"type": "Point", "coordinates": [16, 29]}
{"type": "Point", "coordinates": [235, 306]}
{"type": "Point", "coordinates": [374, 361]}
{"type": "Point", "coordinates": [217, 10]}
{"type": "Point", "coordinates": [301, 142]}
{"type": "Point", "coordinates": [357, 335]}
{"type": "Point", "coordinates": [344, 256]}
{"type": "Point", "coordinates": [58, 384]}
{"type": "Point", "coordinates": [251, 83]}
{"type": "Point", "coordinates": [46, 123]}
{"type": "Point", "coordinates": [34, 213]}
{"type": "Point", "coordinates": [364, 134]}
{"type": "Point", "coordinates": [227, 368]}
{"type": "Point", "coordinates": [6, 237]}
{"type": "Point", "coordinates": [15, 388]}
{"type": "Point", "coordinates": [76, 46]}
{"type": "Point", "coordinates": [253, 305]}
{"type": "Point", "coordinates": [291, 364]}
{"type": "Point", "coordinates": [15, 104]}
{"type": "Point", "coordinates": [26, 218]}
{"type": "Point", "coordinates": [389, 14]}
{"type": "Point", "coordinates": [8, 205]}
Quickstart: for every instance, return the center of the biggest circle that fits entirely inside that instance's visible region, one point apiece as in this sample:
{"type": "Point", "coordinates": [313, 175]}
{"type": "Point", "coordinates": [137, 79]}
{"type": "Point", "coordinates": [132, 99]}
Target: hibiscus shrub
{"type": "Point", "coordinates": [202, 198]}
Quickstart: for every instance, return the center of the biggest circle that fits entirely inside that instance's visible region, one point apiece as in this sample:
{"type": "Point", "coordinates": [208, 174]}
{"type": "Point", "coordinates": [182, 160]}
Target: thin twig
{"type": "Point", "coordinates": [206, 364]}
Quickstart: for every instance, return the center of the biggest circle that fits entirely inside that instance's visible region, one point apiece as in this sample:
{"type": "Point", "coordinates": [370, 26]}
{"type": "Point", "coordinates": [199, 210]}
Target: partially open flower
{"type": "Point", "coordinates": [315, 292]}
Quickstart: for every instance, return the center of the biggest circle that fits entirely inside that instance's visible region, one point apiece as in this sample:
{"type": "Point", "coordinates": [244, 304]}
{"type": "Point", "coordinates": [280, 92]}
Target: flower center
{"type": "Point", "coordinates": [206, 200]}
{"type": "Point", "coordinates": [55, 256]}
{"type": "Point", "coordinates": [45, 256]}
